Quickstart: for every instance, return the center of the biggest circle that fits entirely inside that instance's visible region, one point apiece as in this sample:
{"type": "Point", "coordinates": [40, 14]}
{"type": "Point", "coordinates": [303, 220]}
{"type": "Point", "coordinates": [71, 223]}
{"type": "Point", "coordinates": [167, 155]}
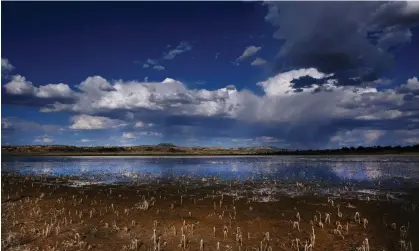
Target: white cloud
{"type": "Point", "coordinates": [54, 91]}
{"type": "Point", "coordinates": [241, 140]}
{"type": "Point", "coordinates": [371, 136]}
{"type": "Point", "coordinates": [20, 86]}
{"type": "Point", "coordinates": [150, 133]}
{"type": "Point", "coordinates": [412, 84]}
{"type": "Point", "coordinates": [168, 95]}
{"type": "Point", "coordinates": [95, 85]}
{"type": "Point", "coordinates": [313, 106]}
{"type": "Point", "coordinates": [6, 65]}
{"type": "Point", "coordinates": [281, 83]}
{"type": "Point", "coordinates": [159, 68]}
{"type": "Point", "coordinates": [139, 124]}
{"type": "Point", "coordinates": [85, 140]}
{"type": "Point", "coordinates": [45, 139]}
{"type": "Point", "coordinates": [181, 48]}
{"type": "Point", "coordinates": [412, 141]}
{"type": "Point", "coordinates": [153, 64]}
{"type": "Point", "coordinates": [268, 139]}
{"type": "Point", "coordinates": [87, 122]}
{"type": "Point", "coordinates": [357, 137]}
{"type": "Point", "coordinates": [258, 62]}
{"type": "Point", "coordinates": [248, 52]}
{"type": "Point", "coordinates": [134, 135]}
{"type": "Point", "coordinates": [382, 114]}
{"type": "Point", "coordinates": [128, 135]}
{"type": "Point", "coordinates": [280, 103]}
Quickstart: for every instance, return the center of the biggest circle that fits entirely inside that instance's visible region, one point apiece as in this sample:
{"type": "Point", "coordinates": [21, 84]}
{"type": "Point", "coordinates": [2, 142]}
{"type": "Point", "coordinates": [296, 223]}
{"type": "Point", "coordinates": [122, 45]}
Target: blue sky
{"type": "Point", "coordinates": [290, 74]}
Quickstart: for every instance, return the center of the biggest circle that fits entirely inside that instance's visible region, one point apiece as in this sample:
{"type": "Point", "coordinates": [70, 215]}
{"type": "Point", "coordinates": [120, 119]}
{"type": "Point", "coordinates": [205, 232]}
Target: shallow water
{"type": "Point", "coordinates": [386, 171]}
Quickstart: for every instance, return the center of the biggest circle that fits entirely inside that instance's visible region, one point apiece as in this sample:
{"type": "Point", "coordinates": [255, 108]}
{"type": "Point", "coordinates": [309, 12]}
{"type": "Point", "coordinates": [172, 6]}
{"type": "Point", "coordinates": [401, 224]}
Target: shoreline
{"type": "Point", "coordinates": [200, 155]}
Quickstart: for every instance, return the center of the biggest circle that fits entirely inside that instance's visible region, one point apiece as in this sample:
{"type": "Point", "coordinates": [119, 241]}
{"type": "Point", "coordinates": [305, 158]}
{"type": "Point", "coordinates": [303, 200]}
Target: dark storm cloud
{"type": "Point", "coordinates": [402, 14]}
{"type": "Point", "coordinates": [338, 37]}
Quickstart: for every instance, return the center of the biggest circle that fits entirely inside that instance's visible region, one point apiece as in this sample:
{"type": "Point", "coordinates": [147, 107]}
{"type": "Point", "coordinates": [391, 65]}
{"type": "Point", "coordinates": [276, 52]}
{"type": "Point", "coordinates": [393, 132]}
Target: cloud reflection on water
{"type": "Point", "coordinates": [282, 168]}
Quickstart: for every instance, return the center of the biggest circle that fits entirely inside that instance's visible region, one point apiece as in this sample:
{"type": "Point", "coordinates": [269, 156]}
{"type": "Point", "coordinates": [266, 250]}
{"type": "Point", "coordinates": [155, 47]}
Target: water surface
{"type": "Point", "coordinates": [386, 171]}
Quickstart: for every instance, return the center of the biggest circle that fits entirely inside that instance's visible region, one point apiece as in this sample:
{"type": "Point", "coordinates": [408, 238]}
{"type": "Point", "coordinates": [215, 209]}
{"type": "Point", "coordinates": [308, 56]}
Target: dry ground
{"type": "Point", "coordinates": [38, 214]}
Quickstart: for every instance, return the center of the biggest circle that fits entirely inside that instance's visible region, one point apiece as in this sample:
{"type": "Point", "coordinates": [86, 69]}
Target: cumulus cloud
{"type": "Point", "coordinates": [248, 52]}
{"type": "Point", "coordinates": [168, 95]}
{"type": "Point", "coordinates": [281, 102]}
{"type": "Point", "coordinates": [87, 122]}
{"type": "Point", "coordinates": [54, 90]}
{"type": "Point", "coordinates": [20, 86]}
{"type": "Point", "coordinates": [349, 39]}
{"type": "Point", "coordinates": [181, 48]}
{"type": "Point", "coordinates": [282, 83]}
{"type": "Point", "coordinates": [258, 62]}
{"type": "Point", "coordinates": [412, 86]}
{"type": "Point", "coordinates": [85, 140]}
{"type": "Point", "coordinates": [6, 66]}
{"type": "Point", "coordinates": [294, 107]}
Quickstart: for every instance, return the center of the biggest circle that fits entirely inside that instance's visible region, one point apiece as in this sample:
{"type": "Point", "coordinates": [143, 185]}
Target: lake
{"type": "Point", "coordinates": [388, 171]}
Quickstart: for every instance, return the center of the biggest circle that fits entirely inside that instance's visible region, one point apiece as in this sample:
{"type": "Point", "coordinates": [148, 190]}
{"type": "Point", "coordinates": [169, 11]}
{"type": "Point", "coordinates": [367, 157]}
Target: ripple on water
{"type": "Point", "coordinates": [364, 172]}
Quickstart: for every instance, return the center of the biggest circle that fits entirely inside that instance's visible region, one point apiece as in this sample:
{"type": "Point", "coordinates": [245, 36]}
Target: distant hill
{"type": "Point", "coordinates": [160, 149]}
{"type": "Point", "coordinates": [171, 149]}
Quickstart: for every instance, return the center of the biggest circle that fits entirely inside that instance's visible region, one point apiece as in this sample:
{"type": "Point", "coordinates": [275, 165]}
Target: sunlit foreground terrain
{"type": "Point", "coordinates": [40, 213]}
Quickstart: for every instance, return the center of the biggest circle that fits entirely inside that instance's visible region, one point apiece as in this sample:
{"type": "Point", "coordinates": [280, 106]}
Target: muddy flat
{"type": "Point", "coordinates": [55, 214]}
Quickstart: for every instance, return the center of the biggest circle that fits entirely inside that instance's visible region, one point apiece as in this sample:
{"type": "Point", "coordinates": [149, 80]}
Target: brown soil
{"type": "Point", "coordinates": [38, 215]}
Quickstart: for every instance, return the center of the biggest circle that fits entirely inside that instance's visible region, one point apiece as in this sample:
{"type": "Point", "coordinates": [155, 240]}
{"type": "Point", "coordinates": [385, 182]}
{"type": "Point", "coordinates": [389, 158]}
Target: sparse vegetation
{"type": "Point", "coordinates": [38, 214]}
{"type": "Point", "coordinates": [171, 149]}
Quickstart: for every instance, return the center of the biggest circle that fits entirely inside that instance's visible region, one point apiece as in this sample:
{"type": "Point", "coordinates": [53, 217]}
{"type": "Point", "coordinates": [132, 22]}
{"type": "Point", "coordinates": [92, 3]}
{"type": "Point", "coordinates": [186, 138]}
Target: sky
{"type": "Point", "coordinates": [294, 75]}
